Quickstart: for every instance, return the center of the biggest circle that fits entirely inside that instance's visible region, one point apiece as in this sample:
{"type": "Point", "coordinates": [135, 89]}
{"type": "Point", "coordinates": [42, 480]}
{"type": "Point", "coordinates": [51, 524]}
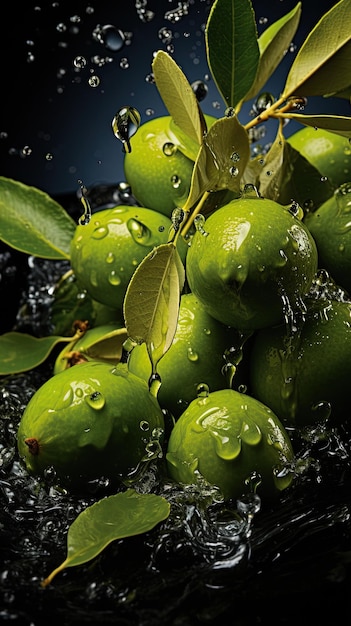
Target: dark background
{"type": "Point", "coordinates": [48, 105]}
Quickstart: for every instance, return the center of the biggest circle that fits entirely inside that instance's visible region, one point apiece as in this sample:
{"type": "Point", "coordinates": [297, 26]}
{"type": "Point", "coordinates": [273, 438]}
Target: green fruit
{"type": "Point", "coordinates": [156, 168]}
{"type": "Point", "coordinates": [195, 358]}
{"type": "Point", "coordinates": [90, 421]}
{"type": "Point", "coordinates": [234, 442]}
{"type": "Point", "coordinates": [106, 251]}
{"type": "Point", "coordinates": [250, 262]}
{"type": "Point", "coordinates": [102, 343]}
{"type": "Point", "coordinates": [330, 226]}
{"type": "Point", "coordinates": [304, 378]}
{"type": "Point", "coordinates": [328, 152]}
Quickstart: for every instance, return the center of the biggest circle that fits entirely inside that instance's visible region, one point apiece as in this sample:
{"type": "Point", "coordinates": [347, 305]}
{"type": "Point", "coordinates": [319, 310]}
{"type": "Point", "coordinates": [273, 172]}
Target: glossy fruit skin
{"type": "Point", "coordinates": [90, 421]}
{"type": "Point", "coordinates": [196, 356]}
{"type": "Point", "coordinates": [328, 152]}
{"type": "Point", "coordinates": [297, 378]}
{"type": "Point", "coordinates": [229, 437]}
{"type": "Point", "coordinates": [105, 253]}
{"type": "Point", "coordinates": [330, 228]}
{"type": "Point", "coordinates": [156, 169]}
{"type": "Point", "coordinates": [251, 254]}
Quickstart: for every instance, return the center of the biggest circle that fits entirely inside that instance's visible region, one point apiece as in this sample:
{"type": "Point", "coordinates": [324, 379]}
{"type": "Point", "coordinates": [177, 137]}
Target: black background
{"type": "Point", "coordinates": [49, 106]}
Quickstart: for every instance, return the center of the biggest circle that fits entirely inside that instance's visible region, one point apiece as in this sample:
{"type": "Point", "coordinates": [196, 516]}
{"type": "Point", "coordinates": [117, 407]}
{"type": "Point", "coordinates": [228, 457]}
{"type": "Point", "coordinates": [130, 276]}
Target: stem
{"type": "Point", "coordinates": [189, 220]}
{"type": "Point", "coordinates": [272, 112]}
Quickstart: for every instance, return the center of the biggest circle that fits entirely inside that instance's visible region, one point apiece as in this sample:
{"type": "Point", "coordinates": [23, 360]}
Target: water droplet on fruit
{"type": "Point", "coordinates": [140, 233]}
{"type": "Point", "coordinates": [199, 221]}
{"type": "Point", "coordinates": [125, 124]}
{"type": "Point", "coordinates": [176, 181]}
{"type": "Point", "coordinates": [192, 355]}
{"type": "Point", "coordinates": [114, 279]}
{"type": "Point", "coordinates": [169, 148]}
{"type": "Point", "coordinates": [250, 433]}
{"type": "Point", "coordinates": [233, 171]}
{"type": "Point", "coordinates": [144, 425]}
{"type": "Point", "coordinates": [343, 198]}
{"type": "Point", "coordinates": [227, 448]}
{"type": "Point", "coordinates": [100, 232]}
{"type": "Point", "coordinates": [110, 258]}
{"type": "Point", "coordinates": [95, 400]}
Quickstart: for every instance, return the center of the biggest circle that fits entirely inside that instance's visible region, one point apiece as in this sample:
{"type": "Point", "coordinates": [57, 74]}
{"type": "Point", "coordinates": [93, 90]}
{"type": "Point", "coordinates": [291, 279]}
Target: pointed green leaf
{"type": "Point", "coordinates": [273, 44]}
{"type": "Point", "coordinates": [114, 517]}
{"type": "Point", "coordinates": [322, 64]}
{"type": "Point", "coordinates": [20, 352]}
{"type": "Point", "coordinates": [178, 96]}
{"type": "Point", "coordinates": [339, 124]}
{"type": "Point", "coordinates": [282, 173]}
{"type": "Point", "coordinates": [221, 161]}
{"type": "Point", "coordinates": [151, 304]}
{"type": "Point", "coordinates": [34, 223]}
{"type": "Point", "coordinates": [232, 48]}
{"type": "Point", "coordinates": [343, 93]}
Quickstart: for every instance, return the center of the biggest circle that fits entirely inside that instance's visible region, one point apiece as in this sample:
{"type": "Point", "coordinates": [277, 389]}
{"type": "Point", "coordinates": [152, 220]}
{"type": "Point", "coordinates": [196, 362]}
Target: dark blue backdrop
{"type": "Point", "coordinates": [48, 107]}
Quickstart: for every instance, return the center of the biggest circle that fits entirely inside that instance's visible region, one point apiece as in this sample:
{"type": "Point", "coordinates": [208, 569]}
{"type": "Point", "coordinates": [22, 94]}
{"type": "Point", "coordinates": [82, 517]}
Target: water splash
{"type": "Point", "coordinates": [86, 217]}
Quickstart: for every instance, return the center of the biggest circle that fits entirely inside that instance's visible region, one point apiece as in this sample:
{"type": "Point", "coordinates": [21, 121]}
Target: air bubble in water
{"type": "Point", "coordinates": [200, 90]}
{"type": "Point", "coordinates": [125, 124]}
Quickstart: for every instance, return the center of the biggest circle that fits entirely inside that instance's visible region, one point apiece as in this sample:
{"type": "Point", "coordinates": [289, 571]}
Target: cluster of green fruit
{"type": "Point", "coordinates": [254, 351]}
{"type": "Point", "coordinates": [213, 286]}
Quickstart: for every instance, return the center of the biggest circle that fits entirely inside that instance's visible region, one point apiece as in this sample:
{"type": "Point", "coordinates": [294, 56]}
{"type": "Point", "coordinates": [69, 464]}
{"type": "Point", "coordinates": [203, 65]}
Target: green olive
{"type": "Point", "coordinates": [90, 421]}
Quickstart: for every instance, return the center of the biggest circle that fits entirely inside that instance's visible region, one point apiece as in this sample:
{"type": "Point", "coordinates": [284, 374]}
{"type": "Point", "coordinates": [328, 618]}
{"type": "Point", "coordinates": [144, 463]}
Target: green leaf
{"type": "Point", "coordinates": [34, 223]}
{"type": "Point", "coordinates": [178, 96]}
{"type": "Point", "coordinates": [322, 64]}
{"type": "Point", "coordinates": [20, 352]}
{"type": "Point", "coordinates": [281, 174]}
{"type": "Point", "coordinates": [114, 517]}
{"type": "Point", "coordinates": [151, 303]}
{"type": "Point", "coordinates": [339, 124]}
{"type": "Point", "coordinates": [232, 49]}
{"type": "Point", "coordinates": [221, 161]}
{"type": "Point", "coordinates": [273, 44]}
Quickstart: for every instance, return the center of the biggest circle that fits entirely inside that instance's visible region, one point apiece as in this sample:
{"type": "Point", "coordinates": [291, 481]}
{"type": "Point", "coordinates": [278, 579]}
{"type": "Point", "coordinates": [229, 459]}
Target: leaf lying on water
{"type": "Point", "coordinates": [114, 517]}
{"type": "Point", "coordinates": [32, 222]}
{"type": "Point", "coordinates": [151, 303]}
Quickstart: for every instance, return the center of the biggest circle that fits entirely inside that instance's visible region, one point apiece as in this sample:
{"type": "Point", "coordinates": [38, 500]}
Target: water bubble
{"type": "Point", "coordinates": [202, 390]}
{"type": "Point", "coordinates": [94, 81]}
{"type": "Point", "coordinates": [233, 171]}
{"type": "Point", "coordinates": [79, 62]}
{"type": "Point", "coordinates": [114, 279]}
{"type": "Point", "coordinates": [125, 124]}
{"type": "Point", "coordinates": [111, 37]}
{"type": "Point", "coordinates": [144, 425]}
{"type": "Point", "coordinates": [175, 15]}
{"type": "Point", "coordinates": [169, 148]}
{"type": "Point", "coordinates": [192, 355]}
{"type": "Point", "coordinates": [139, 231]}
{"type": "Point", "coordinates": [165, 34]}
{"type": "Point", "coordinates": [199, 221]}
{"type": "Point", "coordinates": [263, 102]}
{"type": "Point", "coordinates": [95, 400]}
{"type": "Point", "coordinates": [176, 181]}
{"type": "Point", "coordinates": [200, 89]}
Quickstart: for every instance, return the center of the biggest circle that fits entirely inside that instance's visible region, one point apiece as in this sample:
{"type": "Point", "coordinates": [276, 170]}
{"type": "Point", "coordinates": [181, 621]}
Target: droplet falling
{"type": "Point", "coordinates": [86, 217]}
{"type": "Point", "coordinates": [125, 124]}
